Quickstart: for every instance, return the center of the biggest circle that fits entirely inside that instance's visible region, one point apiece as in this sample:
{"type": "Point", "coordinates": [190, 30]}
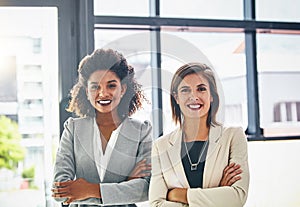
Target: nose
{"type": "Point", "coordinates": [193, 96]}
{"type": "Point", "coordinates": [102, 92]}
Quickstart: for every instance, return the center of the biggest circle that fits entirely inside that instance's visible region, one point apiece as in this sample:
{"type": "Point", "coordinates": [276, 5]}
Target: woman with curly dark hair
{"type": "Point", "coordinates": [103, 157]}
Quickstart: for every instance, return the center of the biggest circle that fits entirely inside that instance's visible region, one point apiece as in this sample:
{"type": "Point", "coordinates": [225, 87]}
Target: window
{"type": "Point", "coordinates": [279, 76]}
{"type": "Point", "coordinates": [287, 112]}
{"type": "Point", "coordinates": [222, 52]}
{"type": "Point", "coordinates": [257, 62]}
{"type": "Point", "coordinates": [121, 8]}
{"type": "Point", "coordinates": [214, 9]}
{"type": "Point", "coordinates": [277, 10]}
{"type": "Point", "coordinates": [29, 95]}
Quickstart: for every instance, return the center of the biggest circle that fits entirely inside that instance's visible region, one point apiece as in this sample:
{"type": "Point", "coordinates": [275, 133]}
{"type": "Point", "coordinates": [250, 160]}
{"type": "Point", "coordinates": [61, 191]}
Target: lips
{"type": "Point", "coordinates": [195, 106]}
{"type": "Point", "coordinates": [104, 102]}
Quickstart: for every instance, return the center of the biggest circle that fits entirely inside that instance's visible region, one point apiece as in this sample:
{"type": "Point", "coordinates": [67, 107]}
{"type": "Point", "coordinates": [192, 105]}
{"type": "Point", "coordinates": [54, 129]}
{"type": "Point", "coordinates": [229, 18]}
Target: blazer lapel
{"type": "Point", "coordinates": [122, 161]}
{"type": "Point", "coordinates": [174, 153]}
{"type": "Point", "coordinates": [84, 139]}
{"type": "Point", "coordinates": [212, 153]}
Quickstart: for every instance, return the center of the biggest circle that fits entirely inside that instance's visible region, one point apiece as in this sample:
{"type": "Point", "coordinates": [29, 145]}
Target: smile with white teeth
{"type": "Point", "coordinates": [195, 106]}
{"type": "Point", "coordinates": [104, 102]}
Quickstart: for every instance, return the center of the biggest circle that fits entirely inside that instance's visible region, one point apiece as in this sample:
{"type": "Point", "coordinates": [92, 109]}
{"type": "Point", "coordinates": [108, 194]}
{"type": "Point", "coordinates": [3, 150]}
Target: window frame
{"type": "Point", "coordinates": [249, 26]}
{"type": "Point", "coordinates": [77, 24]}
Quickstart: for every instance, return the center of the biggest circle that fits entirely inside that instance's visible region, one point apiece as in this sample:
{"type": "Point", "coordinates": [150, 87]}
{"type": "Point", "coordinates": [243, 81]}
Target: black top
{"type": "Point", "coordinates": [195, 177]}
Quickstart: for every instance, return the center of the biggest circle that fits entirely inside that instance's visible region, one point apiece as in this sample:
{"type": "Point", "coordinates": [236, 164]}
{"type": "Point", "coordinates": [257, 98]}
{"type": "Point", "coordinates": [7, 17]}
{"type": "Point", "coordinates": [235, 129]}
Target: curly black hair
{"type": "Point", "coordinates": [103, 59]}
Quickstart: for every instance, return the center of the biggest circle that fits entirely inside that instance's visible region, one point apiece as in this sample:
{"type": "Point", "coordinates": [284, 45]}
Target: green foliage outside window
{"type": "Point", "coordinates": [11, 151]}
{"type": "Point", "coordinates": [28, 172]}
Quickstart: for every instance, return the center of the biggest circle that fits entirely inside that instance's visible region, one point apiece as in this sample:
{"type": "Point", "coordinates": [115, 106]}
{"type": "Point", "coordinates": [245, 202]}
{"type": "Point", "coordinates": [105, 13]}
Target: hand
{"type": "Point", "coordinates": [139, 170]}
{"type": "Point", "coordinates": [73, 190]}
{"type": "Point", "coordinates": [177, 195]}
{"type": "Point", "coordinates": [231, 174]}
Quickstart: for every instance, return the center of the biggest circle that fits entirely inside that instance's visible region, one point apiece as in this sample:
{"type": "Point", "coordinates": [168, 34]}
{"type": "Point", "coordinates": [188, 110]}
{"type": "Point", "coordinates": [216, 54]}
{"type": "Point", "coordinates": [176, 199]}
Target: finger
{"type": "Point", "coordinates": [60, 190]}
{"type": "Point", "coordinates": [231, 169]}
{"type": "Point", "coordinates": [68, 201]}
{"type": "Point", "coordinates": [143, 169]}
{"type": "Point", "coordinates": [231, 165]}
{"type": "Point", "coordinates": [138, 166]}
{"type": "Point", "coordinates": [63, 184]}
{"type": "Point", "coordinates": [141, 162]}
{"type": "Point", "coordinates": [228, 171]}
{"type": "Point", "coordinates": [234, 179]}
{"type": "Point", "coordinates": [228, 167]}
{"type": "Point", "coordinates": [149, 168]}
{"type": "Point", "coordinates": [60, 195]}
{"type": "Point", "coordinates": [233, 174]}
{"type": "Point", "coordinates": [237, 166]}
{"type": "Point", "coordinates": [237, 172]}
{"type": "Point", "coordinates": [142, 175]}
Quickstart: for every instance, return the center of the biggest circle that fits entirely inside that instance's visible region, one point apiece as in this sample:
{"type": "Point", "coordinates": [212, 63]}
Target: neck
{"type": "Point", "coordinates": [108, 119]}
{"type": "Point", "coordinates": [195, 130]}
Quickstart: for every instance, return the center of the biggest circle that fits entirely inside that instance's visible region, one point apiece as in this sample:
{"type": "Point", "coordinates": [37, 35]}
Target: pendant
{"type": "Point", "coordinates": [194, 167]}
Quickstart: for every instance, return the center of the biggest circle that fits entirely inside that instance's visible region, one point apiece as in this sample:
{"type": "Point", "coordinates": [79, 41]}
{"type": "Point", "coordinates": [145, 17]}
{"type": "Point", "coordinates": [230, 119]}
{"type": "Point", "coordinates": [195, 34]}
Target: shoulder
{"type": "Point", "coordinates": [162, 140]}
{"type": "Point", "coordinates": [233, 134]}
{"type": "Point", "coordinates": [141, 130]}
{"type": "Point", "coordinates": [137, 124]}
{"type": "Point", "coordinates": [75, 122]}
{"type": "Point", "coordinates": [233, 131]}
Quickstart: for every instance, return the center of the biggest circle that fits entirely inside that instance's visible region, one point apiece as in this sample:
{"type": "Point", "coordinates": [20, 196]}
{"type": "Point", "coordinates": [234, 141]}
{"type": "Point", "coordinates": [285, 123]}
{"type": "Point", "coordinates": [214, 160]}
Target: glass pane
{"type": "Point", "coordinates": [135, 46]}
{"type": "Point", "coordinates": [279, 77]}
{"type": "Point", "coordinates": [278, 10]}
{"type": "Point", "coordinates": [29, 96]}
{"type": "Point", "coordinates": [121, 7]}
{"type": "Point", "coordinates": [225, 53]}
{"type": "Point", "coordinates": [215, 9]}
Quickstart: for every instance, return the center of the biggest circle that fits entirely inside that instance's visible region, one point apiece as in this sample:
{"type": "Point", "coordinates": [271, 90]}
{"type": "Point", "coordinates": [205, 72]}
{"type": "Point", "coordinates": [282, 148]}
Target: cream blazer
{"type": "Point", "coordinates": [226, 145]}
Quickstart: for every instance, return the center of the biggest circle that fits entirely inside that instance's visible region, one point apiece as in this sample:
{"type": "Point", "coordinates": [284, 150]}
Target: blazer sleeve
{"type": "Point", "coordinates": [135, 190]}
{"type": "Point", "coordinates": [231, 196]}
{"type": "Point", "coordinates": [64, 168]}
{"type": "Point", "coordinates": [158, 188]}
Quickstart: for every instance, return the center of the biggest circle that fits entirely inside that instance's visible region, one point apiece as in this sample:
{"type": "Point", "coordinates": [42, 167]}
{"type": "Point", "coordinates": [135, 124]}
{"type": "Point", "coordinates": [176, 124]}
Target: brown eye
{"type": "Point", "coordinates": [112, 86]}
{"type": "Point", "coordinates": [184, 90]}
{"type": "Point", "coordinates": [94, 87]}
{"type": "Point", "coordinates": [202, 89]}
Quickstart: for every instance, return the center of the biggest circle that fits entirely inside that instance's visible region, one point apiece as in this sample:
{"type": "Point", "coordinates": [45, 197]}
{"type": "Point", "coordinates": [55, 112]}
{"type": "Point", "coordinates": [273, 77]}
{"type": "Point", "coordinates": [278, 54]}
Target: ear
{"type": "Point", "coordinates": [175, 97]}
{"type": "Point", "coordinates": [211, 99]}
{"type": "Point", "coordinates": [87, 93]}
{"type": "Point", "coordinates": [124, 88]}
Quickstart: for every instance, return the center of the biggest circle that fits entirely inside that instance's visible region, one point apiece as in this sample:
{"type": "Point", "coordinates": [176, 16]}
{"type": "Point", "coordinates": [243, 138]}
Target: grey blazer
{"type": "Point", "coordinates": [75, 159]}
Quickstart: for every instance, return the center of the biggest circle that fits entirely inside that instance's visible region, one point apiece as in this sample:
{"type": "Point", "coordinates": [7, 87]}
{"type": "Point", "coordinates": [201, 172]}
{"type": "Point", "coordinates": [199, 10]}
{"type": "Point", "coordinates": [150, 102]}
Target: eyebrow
{"type": "Point", "coordinates": [110, 81]}
{"type": "Point", "coordinates": [202, 84]}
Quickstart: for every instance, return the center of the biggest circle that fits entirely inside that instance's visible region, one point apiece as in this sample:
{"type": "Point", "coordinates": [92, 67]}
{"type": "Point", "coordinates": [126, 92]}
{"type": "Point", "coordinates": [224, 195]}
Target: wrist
{"type": "Point", "coordinates": [95, 190]}
{"type": "Point", "coordinates": [178, 195]}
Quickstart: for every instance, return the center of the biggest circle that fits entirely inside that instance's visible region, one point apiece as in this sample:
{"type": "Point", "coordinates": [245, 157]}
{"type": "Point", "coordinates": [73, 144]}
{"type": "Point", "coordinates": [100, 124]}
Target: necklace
{"type": "Point", "coordinates": [194, 166]}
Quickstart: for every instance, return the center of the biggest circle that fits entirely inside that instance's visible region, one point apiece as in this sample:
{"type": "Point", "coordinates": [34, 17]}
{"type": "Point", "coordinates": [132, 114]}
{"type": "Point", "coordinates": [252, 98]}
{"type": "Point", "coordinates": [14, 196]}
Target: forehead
{"type": "Point", "coordinates": [194, 79]}
{"type": "Point", "coordinates": [103, 76]}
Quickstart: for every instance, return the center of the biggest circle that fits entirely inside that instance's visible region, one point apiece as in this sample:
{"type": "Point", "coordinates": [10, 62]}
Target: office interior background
{"type": "Point", "coordinates": [253, 46]}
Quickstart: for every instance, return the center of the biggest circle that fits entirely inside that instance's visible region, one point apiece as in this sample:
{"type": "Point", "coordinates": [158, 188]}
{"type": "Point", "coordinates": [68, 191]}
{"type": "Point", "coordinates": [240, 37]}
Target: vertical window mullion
{"type": "Point", "coordinates": [157, 109]}
{"type": "Point", "coordinates": [86, 28]}
{"type": "Point", "coordinates": [252, 75]}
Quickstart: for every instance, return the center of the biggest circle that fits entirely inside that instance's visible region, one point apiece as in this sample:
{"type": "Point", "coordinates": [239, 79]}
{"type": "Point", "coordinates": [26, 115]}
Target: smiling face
{"type": "Point", "coordinates": [193, 97]}
{"type": "Point", "coordinates": [104, 91]}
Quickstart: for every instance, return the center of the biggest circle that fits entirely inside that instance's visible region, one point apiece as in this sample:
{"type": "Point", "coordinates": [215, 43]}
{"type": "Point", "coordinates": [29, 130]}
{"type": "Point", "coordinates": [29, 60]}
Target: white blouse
{"type": "Point", "coordinates": [102, 159]}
